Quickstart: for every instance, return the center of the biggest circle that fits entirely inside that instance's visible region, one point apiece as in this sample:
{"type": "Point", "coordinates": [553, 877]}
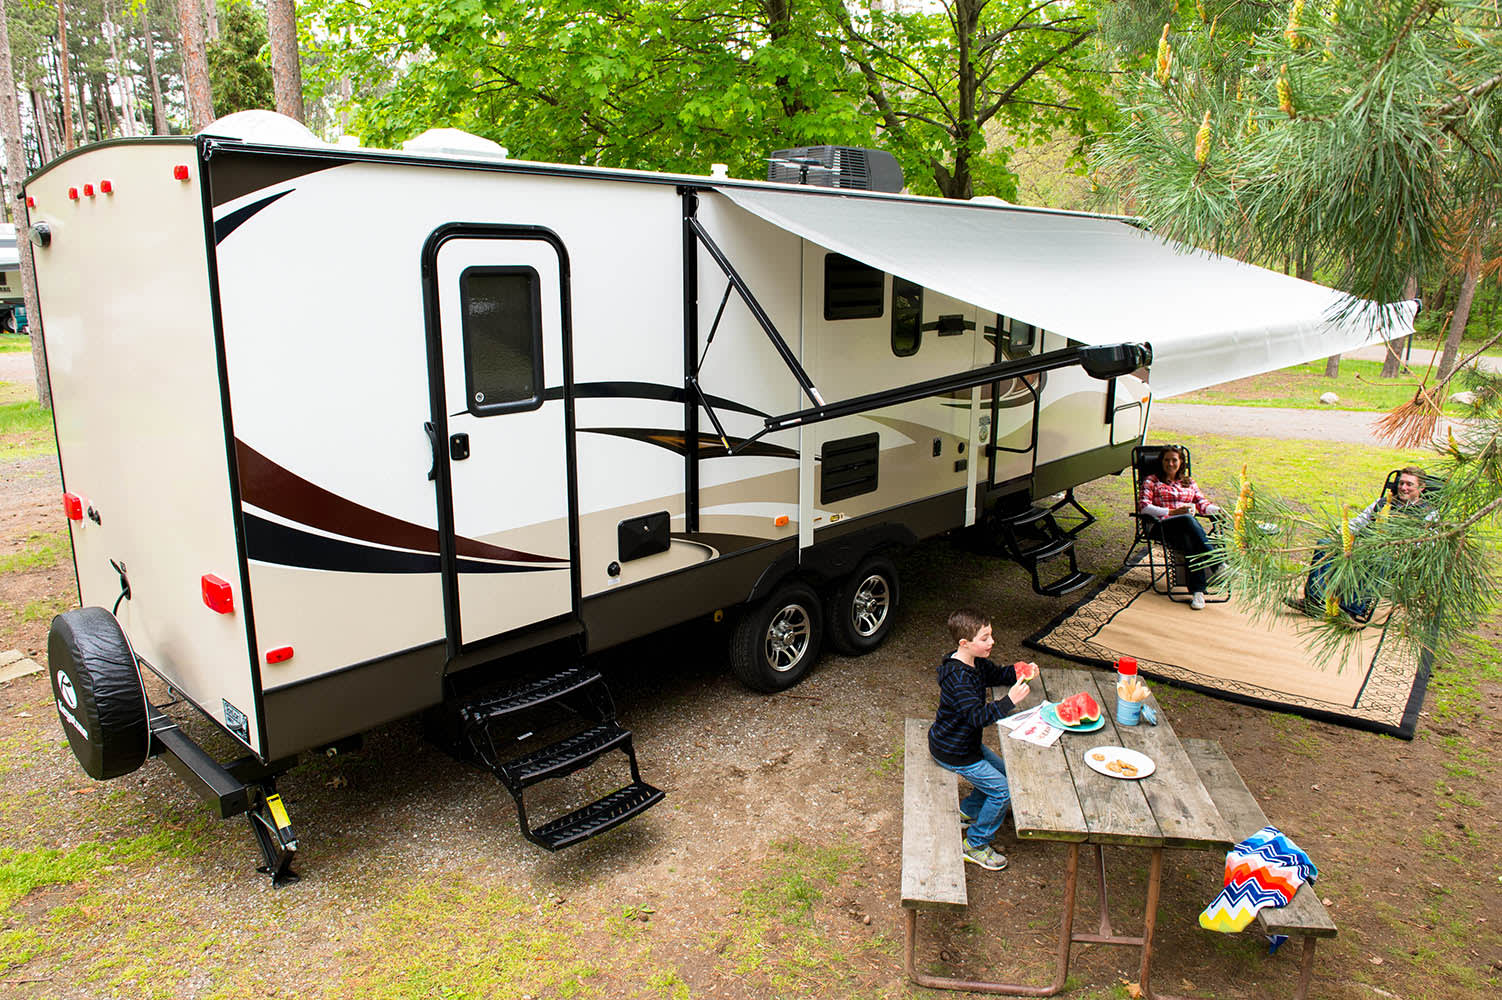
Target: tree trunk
{"type": "Point", "coordinates": [158, 111]}
{"type": "Point", "coordinates": [15, 160]}
{"type": "Point", "coordinates": [62, 73]}
{"type": "Point", "coordinates": [127, 120]}
{"type": "Point", "coordinates": [44, 129]}
{"type": "Point", "coordinates": [211, 19]}
{"type": "Point", "coordinates": [1393, 362]}
{"type": "Point", "coordinates": [1332, 366]}
{"type": "Point", "coordinates": [1461, 314]}
{"type": "Point", "coordinates": [286, 67]}
{"type": "Point", "coordinates": [195, 66]}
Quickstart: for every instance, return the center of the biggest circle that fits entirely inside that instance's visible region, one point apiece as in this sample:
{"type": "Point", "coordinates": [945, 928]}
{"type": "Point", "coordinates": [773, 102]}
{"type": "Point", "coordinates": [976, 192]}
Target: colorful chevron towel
{"type": "Point", "coordinates": [1265, 869]}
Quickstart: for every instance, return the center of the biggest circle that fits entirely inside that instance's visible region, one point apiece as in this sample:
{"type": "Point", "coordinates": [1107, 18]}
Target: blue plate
{"type": "Point", "coordinates": [1049, 715]}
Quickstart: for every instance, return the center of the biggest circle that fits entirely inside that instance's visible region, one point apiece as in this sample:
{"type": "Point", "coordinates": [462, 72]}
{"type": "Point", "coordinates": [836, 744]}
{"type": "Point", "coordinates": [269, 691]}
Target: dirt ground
{"type": "Point", "coordinates": [772, 868]}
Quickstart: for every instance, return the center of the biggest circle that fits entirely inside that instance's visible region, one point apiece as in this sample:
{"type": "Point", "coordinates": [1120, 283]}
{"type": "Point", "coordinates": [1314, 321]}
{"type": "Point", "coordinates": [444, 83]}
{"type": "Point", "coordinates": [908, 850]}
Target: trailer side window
{"type": "Point", "coordinates": [1020, 337]}
{"type": "Point", "coordinates": [907, 317]}
{"type": "Point", "coordinates": [851, 289]}
{"type": "Point", "coordinates": [502, 338]}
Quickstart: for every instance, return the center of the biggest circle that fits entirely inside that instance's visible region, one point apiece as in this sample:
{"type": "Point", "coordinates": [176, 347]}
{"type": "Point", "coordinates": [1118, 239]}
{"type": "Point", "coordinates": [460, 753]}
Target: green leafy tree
{"type": "Point", "coordinates": [938, 79]}
{"type": "Point", "coordinates": [1358, 132]}
{"type": "Point", "coordinates": [238, 74]}
{"type": "Point", "coordinates": [631, 83]}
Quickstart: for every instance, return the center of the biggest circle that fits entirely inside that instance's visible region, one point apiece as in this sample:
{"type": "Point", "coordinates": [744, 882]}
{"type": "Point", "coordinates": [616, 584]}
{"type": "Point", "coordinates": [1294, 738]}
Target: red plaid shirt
{"type": "Point", "coordinates": [1158, 498]}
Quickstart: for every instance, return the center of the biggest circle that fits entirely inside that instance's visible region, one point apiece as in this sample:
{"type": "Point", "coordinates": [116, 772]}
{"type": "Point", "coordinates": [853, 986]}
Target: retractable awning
{"type": "Point", "coordinates": [1093, 279]}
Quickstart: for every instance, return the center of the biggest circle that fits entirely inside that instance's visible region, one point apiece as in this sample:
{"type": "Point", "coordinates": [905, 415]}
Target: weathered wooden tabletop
{"type": "Point", "coordinates": [1057, 796]}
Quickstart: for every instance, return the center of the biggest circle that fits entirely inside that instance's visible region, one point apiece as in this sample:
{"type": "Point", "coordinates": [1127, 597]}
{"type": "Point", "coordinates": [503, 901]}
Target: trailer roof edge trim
{"type": "Point", "coordinates": [1093, 279]}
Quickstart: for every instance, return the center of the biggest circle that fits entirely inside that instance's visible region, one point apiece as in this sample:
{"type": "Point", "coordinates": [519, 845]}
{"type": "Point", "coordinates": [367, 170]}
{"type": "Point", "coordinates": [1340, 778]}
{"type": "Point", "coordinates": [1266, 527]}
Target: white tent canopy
{"type": "Point", "coordinates": [1093, 279]}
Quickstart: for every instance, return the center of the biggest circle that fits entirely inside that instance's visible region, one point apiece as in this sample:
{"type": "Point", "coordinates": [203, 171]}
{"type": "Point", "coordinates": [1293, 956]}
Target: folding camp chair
{"type": "Point", "coordinates": [1365, 610]}
{"type": "Point", "coordinates": [1167, 567]}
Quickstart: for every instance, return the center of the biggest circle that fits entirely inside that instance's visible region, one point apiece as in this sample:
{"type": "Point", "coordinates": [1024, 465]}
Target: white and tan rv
{"type": "Point", "coordinates": [341, 429]}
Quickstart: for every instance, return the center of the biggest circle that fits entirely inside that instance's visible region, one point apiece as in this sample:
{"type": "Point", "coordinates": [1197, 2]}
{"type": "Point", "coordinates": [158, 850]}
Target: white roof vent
{"type": "Point", "coordinates": [453, 142]}
{"type": "Point", "coordinates": [263, 126]}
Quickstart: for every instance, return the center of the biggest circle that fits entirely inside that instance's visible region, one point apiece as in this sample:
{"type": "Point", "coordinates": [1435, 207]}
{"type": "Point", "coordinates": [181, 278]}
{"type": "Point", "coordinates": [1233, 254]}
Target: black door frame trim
{"type": "Point", "coordinates": [442, 475]}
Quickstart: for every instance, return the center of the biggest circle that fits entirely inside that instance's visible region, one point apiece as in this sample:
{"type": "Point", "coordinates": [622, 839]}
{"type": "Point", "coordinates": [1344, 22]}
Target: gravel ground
{"type": "Point", "coordinates": [1344, 426]}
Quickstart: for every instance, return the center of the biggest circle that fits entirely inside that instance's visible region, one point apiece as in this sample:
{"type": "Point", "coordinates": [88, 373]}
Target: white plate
{"type": "Point", "coordinates": [1141, 761]}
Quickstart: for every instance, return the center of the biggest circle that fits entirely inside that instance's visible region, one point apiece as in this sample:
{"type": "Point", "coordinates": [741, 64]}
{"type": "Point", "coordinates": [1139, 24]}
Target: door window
{"type": "Point", "coordinates": [502, 339]}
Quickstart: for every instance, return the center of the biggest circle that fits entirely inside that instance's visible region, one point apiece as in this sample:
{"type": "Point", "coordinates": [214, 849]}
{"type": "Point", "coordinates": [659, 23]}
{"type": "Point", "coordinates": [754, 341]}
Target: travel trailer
{"type": "Point", "coordinates": [12, 300]}
{"type": "Point", "coordinates": [345, 432]}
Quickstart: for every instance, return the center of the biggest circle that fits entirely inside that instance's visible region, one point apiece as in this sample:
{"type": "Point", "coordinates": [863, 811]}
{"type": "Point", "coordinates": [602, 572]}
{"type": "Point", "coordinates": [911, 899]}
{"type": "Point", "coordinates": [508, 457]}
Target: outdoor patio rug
{"type": "Point", "coordinates": [1221, 651]}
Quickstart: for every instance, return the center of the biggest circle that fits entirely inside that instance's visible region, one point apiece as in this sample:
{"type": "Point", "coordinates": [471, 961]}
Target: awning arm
{"type": "Point", "coordinates": [1102, 362]}
{"type": "Point", "coordinates": [757, 312]}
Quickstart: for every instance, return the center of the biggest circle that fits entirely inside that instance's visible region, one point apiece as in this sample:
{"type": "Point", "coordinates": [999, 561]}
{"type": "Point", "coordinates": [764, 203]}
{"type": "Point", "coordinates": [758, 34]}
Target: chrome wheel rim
{"type": "Point", "coordinates": [788, 637]}
{"type": "Point", "coordinates": [872, 604]}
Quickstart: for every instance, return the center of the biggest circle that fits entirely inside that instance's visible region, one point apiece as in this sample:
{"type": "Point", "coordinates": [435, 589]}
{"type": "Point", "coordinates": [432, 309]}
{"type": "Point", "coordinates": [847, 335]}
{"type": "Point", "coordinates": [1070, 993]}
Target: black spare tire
{"type": "Point", "coordinates": [97, 685]}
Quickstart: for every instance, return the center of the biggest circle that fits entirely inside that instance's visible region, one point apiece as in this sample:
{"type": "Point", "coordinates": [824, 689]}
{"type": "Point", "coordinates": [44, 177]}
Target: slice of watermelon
{"type": "Point", "coordinates": [1068, 712]}
{"type": "Point", "coordinates": [1025, 671]}
{"type": "Point", "coordinates": [1089, 710]}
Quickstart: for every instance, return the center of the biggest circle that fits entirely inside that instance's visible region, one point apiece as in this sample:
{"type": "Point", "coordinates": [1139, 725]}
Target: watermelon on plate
{"type": "Point", "coordinates": [1082, 708]}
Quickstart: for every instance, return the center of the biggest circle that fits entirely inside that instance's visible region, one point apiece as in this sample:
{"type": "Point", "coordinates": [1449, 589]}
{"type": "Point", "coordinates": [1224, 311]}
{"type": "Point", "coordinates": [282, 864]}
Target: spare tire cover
{"type": "Point", "coordinates": [100, 703]}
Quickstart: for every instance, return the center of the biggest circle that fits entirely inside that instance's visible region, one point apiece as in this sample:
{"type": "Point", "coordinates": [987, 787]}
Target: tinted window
{"type": "Point", "coordinates": [907, 317]}
{"type": "Point", "coordinates": [851, 289]}
{"type": "Point", "coordinates": [502, 338]}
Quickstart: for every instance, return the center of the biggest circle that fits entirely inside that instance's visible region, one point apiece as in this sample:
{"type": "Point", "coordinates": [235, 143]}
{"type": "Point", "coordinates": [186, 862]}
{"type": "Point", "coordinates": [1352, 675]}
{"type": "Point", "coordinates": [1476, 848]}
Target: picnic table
{"type": "Point", "coordinates": [1194, 799]}
{"type": "Point", "coordinates": [1057, 796]}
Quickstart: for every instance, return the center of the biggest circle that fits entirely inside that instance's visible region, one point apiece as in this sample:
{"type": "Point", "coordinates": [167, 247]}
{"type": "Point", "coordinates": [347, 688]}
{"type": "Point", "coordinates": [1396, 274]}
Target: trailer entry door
{"type": "Point", "coordinates": [502, 320]}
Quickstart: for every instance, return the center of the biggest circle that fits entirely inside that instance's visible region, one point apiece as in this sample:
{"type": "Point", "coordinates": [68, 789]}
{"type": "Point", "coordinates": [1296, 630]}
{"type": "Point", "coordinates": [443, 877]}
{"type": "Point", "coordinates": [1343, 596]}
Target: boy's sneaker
{"type": "Point", "coordinates": [985, 857]}
{"type": "Point", "coordinates": [965, 818]}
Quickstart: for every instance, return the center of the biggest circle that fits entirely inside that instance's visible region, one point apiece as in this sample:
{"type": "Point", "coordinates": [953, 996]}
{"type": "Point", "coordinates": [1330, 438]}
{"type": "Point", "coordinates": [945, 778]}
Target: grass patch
{"type": "Point", "coordinates": [24, 871]}
{"type": "Point", "coordinates": [1307, 471]}
{"type": "Point", "coordinates": [42, 551]}
{"type": "Point", "coordinates": [1359, 386]}
{"type": "Point", "coordinates": [25, 428]}
{"type": "Point", "coordinates": [12, 342]}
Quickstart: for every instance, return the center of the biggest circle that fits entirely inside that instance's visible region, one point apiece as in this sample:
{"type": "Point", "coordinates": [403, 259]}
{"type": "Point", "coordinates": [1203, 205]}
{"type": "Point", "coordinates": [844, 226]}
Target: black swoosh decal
{"type": "Point", "coordinates": [227, 224]}
{"type": "Point", "coordinates": [270, 542]}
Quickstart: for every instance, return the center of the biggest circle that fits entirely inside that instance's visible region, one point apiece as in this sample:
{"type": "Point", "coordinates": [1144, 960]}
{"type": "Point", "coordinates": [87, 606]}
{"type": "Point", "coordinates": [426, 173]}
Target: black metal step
{"type": "Point", "coordinates": [563, 757]}
{"type": "Point", "coordinates": [1030, 516]}
{"type": "Point", "coordinates": [1067, 585]}
{"type": "Point", "coordinates": [488, 706]}
{"type": "Point", "coordinates": [1051, 549]}
{"type": "Point", "coordinates": [597, 817]}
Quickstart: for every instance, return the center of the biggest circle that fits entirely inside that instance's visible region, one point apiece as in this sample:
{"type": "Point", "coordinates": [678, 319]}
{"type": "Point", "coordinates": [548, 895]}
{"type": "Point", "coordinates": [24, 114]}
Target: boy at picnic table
{"type": "Point", "coordinates": [954, 740]}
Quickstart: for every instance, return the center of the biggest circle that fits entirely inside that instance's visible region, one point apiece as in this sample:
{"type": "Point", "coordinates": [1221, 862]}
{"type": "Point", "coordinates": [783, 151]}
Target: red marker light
{"type": "Point", "coordinates": [217, 594]}
{"type": "Point", "coordinates": [180, 172]}
{"type": "Point", "coordinates": [280, 654]}
{"type": "Point", "coordinates": [31, 202]}
{"type": "Point", "coordinates": [88, 190]}
{"type": "Point", "coordinates": [73, 506]}
{"type": "Point", "coordinates": [73, 194]}
{"type": "Point", "coordinates": [105, 187]}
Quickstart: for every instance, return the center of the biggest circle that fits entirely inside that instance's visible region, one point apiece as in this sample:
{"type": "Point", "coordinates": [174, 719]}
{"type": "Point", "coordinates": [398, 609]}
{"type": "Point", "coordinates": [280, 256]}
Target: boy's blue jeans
{"type": "Point", "coordinates": [989, 799]}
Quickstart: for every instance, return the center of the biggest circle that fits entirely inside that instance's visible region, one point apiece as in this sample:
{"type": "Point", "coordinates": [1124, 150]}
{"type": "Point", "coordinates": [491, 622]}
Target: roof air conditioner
{"type": "Point", "coordinates": [837, 167]}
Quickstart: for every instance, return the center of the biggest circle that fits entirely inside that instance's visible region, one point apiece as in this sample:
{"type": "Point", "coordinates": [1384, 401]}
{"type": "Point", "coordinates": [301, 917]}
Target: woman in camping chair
{"type": "Point", "coordinates": [1172, 499]}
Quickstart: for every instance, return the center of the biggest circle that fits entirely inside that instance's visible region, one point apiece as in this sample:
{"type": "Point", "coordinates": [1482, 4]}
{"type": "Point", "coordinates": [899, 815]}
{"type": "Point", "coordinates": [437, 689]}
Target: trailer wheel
{"type": "Point", "coordinates": [101, 704]}
{"type": "Point", "coordinates": [777, 642]}
{"type": "Point", "coordinates": [864, 606]}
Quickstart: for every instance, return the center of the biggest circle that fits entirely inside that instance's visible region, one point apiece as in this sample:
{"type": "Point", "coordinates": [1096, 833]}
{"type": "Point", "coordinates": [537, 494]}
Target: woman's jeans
{"type": "Point", "coordinates": [989, 799]}
{"type": "Point", "coordinates": [1184, 533]}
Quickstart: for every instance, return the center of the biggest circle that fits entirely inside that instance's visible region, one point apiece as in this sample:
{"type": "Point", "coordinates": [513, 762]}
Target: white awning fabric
{"type": "Point", "coordinates": [1093, 279]}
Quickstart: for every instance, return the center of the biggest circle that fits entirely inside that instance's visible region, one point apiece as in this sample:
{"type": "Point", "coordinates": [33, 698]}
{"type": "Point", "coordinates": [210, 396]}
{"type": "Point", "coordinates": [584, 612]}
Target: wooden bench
{"type": "Point", "coordinates": [933, 859]}
{"type": "Point", "coordinates": [1305, 915]}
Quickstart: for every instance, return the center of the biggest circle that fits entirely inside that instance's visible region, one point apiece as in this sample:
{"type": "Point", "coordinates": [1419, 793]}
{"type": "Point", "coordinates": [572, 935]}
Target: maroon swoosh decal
{"type": "Point", "coordinates": [273, 488]}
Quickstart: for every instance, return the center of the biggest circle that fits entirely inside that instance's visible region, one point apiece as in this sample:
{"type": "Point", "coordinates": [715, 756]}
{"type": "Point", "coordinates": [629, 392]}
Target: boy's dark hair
{"type": "Point", "coordinates": [965, 622]}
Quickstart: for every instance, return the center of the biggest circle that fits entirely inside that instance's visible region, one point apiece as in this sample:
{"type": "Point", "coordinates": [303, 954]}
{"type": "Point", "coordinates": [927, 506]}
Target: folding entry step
{"type": "Point", "coordinates": [1033, 536]}
{"type": "Point", "coordinates": [500, 728]}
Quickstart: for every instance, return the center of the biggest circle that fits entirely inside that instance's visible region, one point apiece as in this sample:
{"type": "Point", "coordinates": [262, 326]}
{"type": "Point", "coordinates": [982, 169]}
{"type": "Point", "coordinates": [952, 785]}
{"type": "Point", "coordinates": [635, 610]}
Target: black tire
{"type": "Point", "coordinates": [100, 702]}
{"type": "Point", "coordinates": [864, 606]}
{"type": "Point", "coordinates": [8, 321]}
{"type": "Point", "coordinates": [777, 642]}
